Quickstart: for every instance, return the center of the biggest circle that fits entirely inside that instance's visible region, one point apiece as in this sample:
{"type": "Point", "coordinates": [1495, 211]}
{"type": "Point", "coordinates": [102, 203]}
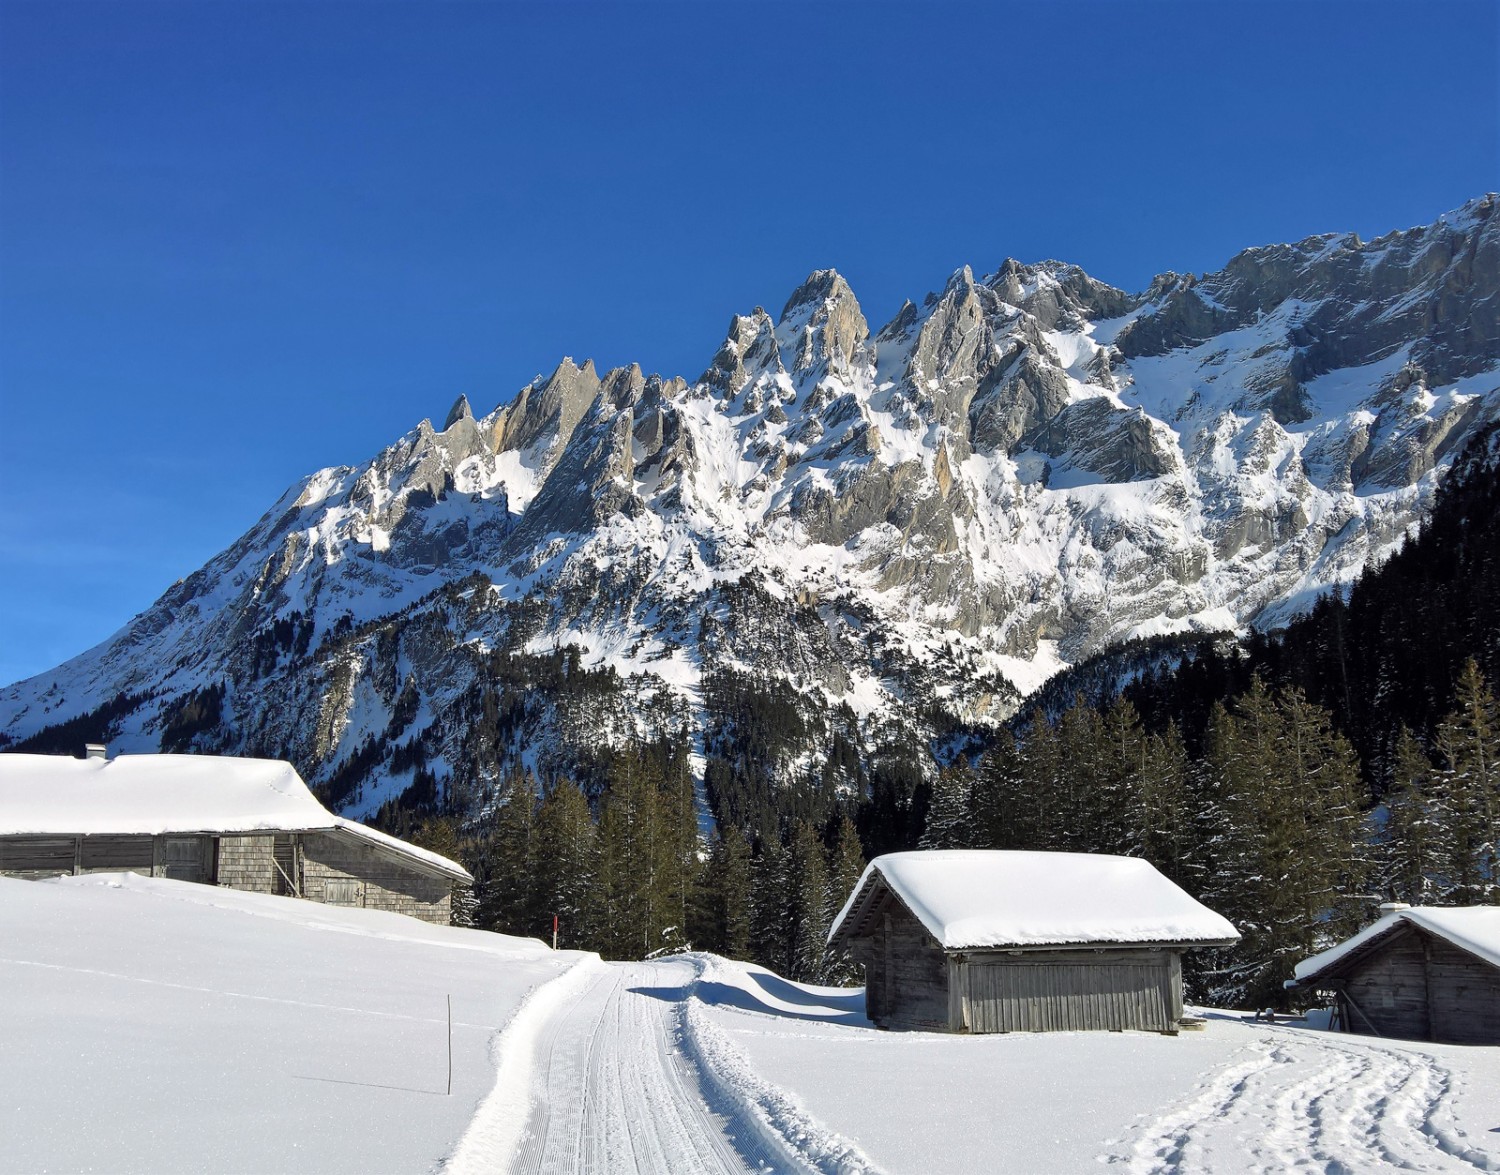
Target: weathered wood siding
{"type": "Point", "coordinates": [1051, 991]}
{"type": "Point", "coordinates": [117, 854]}
{"type": "Point", "coordinates": [34, 857]}
{"type": "Point", "coordinates": [1417, 986]}
{"type": "Point", "coordinates": [247, 863]}
{"type": "Point", "coordinates": [906, 973]}
{"type": "Point", "coordinates": [326, 867]}
{"type": "Point", "coordinates": [342, 871]}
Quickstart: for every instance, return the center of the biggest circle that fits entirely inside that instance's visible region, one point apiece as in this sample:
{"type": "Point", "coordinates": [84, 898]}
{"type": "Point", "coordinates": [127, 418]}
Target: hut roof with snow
{"type": "Point", "coordinates": [973, 898]}
{"type": "Point", "coordinates": [973, 940]}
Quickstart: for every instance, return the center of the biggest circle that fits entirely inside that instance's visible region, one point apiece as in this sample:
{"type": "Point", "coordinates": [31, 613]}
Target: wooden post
{"type": "Point", "coordinates": [554, 932]}
{"type": "Point", "coordinates": [450, 1046]}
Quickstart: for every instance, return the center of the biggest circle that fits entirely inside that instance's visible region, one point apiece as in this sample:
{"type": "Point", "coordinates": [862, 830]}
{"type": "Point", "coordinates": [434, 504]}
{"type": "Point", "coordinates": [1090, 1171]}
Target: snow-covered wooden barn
{"type": "Point", "coordinates": [248, 824]}
{"type": "Point", "coordinates": [985, 941]}
{"type": "Point", "coordinates": [1418, 973]}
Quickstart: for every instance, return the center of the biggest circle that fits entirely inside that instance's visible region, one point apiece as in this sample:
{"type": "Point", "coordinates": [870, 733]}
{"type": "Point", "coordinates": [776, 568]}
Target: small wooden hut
{"type": "Point", "coordinates": [1418, 973]}
{"type": "Point", "coordinates": [249, 824]}
{"type": "Point", "coordinates": [983, 941]}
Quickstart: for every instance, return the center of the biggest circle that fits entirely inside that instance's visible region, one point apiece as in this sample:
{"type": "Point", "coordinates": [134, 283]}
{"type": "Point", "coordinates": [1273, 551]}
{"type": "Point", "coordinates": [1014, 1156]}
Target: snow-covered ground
{"type": "Point", "coordinates": [161, 1026]}
{"type": "Point", "coordinates": [152, 1025]}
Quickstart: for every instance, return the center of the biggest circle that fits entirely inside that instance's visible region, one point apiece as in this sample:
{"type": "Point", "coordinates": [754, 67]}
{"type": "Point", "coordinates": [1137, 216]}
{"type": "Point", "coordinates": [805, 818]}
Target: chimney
{"type": "Point", "coordinates": [95, 751]}
{"type": "Point", "coordinates": [1392, 907]}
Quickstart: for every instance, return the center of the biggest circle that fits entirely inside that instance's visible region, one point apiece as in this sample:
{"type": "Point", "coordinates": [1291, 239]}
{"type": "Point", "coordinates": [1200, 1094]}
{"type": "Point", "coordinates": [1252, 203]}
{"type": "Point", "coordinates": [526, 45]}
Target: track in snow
{"type": "Point", "coordinates": [1302, 1101]}
{"type": "Point", "coordinates": [614, 1092]}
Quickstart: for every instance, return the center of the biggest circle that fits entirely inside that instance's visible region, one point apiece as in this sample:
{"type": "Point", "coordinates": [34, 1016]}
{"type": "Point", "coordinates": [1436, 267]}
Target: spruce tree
{"type": "Point", "coordinates": [505, 901]}
{"type": "Point", "coordinates": [845, 868]}
{"type": "Point", "coordinates": [771, 939]}
{"type": "Point", "coordinates": [567, 868]}
{"type": "Point", "coordinates": [1468, 744]}
{"type": "Point", "coordinates": [808, 868]}
{"type": "Point", "coordinates": [1003, 810]}
{"type": "Point", "coordinates": [1118, 802]}
{"type": "Point", "coordinates": [1291, 858]}
{"type": "Point", "coordinates": [736, 898]}
{"type": "Point", "coordinates": [1167, 831]}
{"type": "Point", "coordinates": [1412, 859]}
{"type": "Point", "coordinates": [950, 811]}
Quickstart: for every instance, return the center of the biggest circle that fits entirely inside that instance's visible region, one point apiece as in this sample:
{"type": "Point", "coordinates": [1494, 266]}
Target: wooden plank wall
{"type": "Point", "coordinates": [910, 973]}
{"type": "Point", "coordinates": [1069, 991]}
{"type": "Point", "coordinates": [1465, 995]}
{"type": "Point", "coordinates": [343, 871]}
{"type": "Point", "coordinates": [1389, 991]}
{"type": "Point", "coordinates": [1420, 987]}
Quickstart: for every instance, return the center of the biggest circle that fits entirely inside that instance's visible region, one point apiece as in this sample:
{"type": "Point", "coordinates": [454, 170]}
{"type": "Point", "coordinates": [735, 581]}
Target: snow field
{"type": "Point", "coordinates": [158, 1026]}
{"type": "Point", "coordinates": [1239, 1097]}
{"type": "Point", "coordinates": [1300, 1101]}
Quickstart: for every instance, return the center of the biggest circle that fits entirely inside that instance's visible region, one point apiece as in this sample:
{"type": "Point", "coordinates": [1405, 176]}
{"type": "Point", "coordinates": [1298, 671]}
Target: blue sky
{"type": "Point", "coordinates": [243, 240]}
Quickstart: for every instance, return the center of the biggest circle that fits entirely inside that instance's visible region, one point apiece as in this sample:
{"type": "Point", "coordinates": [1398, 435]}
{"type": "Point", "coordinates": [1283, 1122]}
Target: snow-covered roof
{"type": "Point", "coordinates": [153, 794]}
{"type": "Point", "coordinates": [1475, 929]}
{"type": "Point", "coordinates": [971, 898]}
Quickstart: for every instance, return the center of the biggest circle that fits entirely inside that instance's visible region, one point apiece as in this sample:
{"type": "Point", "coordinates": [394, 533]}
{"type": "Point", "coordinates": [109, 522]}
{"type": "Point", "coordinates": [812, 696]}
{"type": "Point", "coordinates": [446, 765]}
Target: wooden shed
{"type": "Point", "coordinates": [249, 824]}
{"type": "Point", "coordinates": [1418, 973]}
{"type": "Point", "coordinates": [982, 941]}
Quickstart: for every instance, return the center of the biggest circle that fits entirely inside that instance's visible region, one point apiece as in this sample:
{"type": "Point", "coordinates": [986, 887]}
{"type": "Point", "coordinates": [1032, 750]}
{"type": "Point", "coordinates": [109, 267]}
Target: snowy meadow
{"type": "Point", "coordinates": [158, 1026]}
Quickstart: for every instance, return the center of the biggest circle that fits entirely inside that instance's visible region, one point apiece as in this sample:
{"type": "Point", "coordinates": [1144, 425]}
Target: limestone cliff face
{"type": "Point", "coordinates": [1014, 472]}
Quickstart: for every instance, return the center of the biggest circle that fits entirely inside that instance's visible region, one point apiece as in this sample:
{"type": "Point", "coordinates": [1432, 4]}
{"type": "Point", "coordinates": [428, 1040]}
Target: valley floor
{"type": "Point", "coordinates": [157, 1026]}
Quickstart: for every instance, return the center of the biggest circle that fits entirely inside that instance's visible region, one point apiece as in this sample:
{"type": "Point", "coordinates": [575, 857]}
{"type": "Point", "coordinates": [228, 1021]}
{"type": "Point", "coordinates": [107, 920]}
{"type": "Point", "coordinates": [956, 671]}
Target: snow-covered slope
{"type": "Point", "coordinates": [927, 518]}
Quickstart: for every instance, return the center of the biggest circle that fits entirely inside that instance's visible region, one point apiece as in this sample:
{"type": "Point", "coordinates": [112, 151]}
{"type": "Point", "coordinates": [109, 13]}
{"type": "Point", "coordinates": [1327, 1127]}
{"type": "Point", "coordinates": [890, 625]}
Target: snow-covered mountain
{"type": "Point", "coordinates": [892, 531]}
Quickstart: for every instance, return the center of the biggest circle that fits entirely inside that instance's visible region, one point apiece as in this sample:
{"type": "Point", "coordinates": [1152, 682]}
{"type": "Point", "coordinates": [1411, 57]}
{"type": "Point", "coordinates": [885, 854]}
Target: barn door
{"type": "Point", "coordinates": [187, 858]}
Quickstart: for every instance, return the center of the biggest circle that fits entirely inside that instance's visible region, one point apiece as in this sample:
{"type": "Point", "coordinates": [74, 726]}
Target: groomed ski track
{"type": "Point", "coordinates": [613, 1090]}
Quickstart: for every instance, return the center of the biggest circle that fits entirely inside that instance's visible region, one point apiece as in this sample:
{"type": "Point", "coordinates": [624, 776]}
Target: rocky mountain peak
{"type": "Point", "coordinates": [1016, 473]}
{"type": "Point", "coordinates": [459, 411]}
{"type": "Point", "coordinates": [821, 323]}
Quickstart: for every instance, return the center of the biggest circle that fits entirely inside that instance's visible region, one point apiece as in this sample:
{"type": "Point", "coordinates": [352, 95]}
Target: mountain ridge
{"type": "Point", "coordinates": [913, 525]}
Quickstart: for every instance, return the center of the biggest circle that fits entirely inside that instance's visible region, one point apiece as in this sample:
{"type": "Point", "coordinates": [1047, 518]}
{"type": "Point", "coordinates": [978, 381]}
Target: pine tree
{"type": "Point", "coordinates": [950, 811]}
{"type": "Point", "coordinates": [846, 867]}
{"type": "Point", "coordinates": [998, 797]}
{"type": "Point", "coordinates": [1468, 744]}
{"type": "Point", "coordinates": [1412, 835]}
{"type": "Point", "coordinates": [808, 867]}
{"type": "Point", "coordinates": [567, 868]}
{"type": "Point", "coordinates": [505, 901]}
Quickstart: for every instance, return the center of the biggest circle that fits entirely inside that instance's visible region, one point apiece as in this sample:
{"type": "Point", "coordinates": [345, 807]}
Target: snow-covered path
{"type": "Point", "coordinates": [1298, 1101]}
{"type": "Point", "coordinates": [614, 1091]}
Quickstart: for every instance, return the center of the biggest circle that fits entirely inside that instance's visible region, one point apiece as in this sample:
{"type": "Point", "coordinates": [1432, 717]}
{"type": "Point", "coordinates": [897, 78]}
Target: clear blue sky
{"type": "Point", "coordinates": [243, 240]}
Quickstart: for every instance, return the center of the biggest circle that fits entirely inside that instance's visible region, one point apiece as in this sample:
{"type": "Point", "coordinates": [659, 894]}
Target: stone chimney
{"type": "Point", "coordinates": [95, 751]}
